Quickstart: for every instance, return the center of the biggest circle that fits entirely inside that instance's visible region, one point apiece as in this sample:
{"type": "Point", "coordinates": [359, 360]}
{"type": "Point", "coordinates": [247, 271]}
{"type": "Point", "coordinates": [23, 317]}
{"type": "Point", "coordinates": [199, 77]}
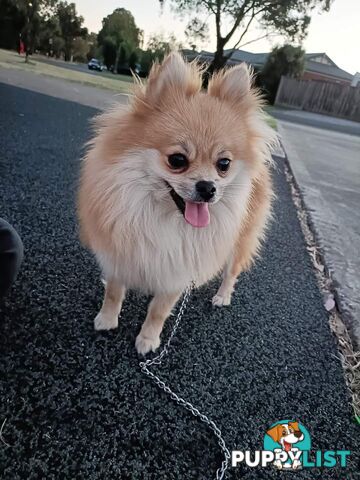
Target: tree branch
{"type": "Point", "coordinates": [218, 20]}
{"type": "Point", "coordinates": [267, 35]}
{"type": "Point", "coordinates": [253, 15]}
{"type": "Point", "coordinates": [242, 12]}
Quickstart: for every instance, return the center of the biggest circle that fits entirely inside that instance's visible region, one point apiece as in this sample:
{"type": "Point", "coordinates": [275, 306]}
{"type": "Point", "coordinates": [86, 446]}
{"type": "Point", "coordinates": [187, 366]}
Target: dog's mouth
{"type": "Point", "coordinates": [287, 446]}
{"type": "Point", "coordinates": [195, 213]}
{"type": "Point", "coordinates": [179, 201]}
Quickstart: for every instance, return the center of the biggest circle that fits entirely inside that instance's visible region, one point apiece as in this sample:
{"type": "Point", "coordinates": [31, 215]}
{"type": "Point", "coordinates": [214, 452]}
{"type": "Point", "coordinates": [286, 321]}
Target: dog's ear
{"type": "Point", "coordinates": [295, 426]}
{"type": "Point", "coordinates": [275, 433]}
{"type": "Point", "coordinates": [232, 84]}
{"type": "Point", "coordinates": [172, 74]}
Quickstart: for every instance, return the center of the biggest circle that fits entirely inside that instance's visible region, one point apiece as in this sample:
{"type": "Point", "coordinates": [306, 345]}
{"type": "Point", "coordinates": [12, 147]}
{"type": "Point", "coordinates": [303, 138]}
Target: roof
{"type": "Point", "coordinates": [328, 70]}
{"type": "Point", "coordinates": [238, 56]}
{"type": "Point", "coordinates": [257, 60]}
{"type": "Point", "coordinates": [312, 56]}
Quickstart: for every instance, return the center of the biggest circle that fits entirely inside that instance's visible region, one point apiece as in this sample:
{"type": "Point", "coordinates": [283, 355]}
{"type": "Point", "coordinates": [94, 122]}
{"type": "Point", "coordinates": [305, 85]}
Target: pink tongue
{"type": "Point", "coordinates": [197, 214]}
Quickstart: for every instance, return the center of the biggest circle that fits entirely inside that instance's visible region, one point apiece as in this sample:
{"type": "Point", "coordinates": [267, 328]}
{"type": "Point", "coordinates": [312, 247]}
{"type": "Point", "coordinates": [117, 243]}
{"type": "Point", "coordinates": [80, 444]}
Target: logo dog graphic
{"type": "Point", "coordinates": [287, 435]}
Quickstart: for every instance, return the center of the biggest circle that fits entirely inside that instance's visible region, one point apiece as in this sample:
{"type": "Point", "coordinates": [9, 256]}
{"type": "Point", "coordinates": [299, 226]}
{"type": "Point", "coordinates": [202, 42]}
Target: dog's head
{"type": "Point", "coordinates": [194, 148]}
{"type": "Point", "coordinates": [202, 146]}
{"type": "Point", "coordinates": [286, 434]}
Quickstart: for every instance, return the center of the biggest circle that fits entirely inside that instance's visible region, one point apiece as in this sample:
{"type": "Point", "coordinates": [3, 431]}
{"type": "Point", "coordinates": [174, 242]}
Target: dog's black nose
{"type": "Point", "coordinates": [205, 189]}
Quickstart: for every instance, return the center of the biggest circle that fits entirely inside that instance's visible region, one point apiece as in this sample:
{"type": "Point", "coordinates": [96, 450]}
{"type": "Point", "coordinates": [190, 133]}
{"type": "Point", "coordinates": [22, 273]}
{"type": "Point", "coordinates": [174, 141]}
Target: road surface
{"type": "Point", "coordinates": [300, 117]}
{"type": "Point", "coordinates": [75, 402]}
{"type": "Point", "coordinates": [56, 87]}
{"type": "Point", "coordinates": [326, 165]}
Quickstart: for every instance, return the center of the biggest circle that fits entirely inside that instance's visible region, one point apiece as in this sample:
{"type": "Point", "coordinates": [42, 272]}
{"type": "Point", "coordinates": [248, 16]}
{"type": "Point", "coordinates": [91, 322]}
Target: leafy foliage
{"type": "Point", "coordinates": [289, 18]}
{"type": "Point", "coordinates": [158, 46]}
{"type": "Point", "coordinates": [196, 33]}
{"type": "Point", "coordinates": [109, 52]}
{"type": "Point", "coordinates": [119, 29]}
{"type": "Point", "coordinates": [70, 25]}
{"type": "Point", "coordinates": [49, 26]}
{"type": "Point", "coordinates": [286, 60]}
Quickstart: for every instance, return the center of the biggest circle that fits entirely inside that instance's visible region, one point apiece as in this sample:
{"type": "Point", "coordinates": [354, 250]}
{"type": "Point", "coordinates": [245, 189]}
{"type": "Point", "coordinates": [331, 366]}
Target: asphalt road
{"type": "Point", "coordinates": [300, 117]}
{"type": "Point", "coordinates": [326, 165]}
{"type": "Point", "coordinates": [79, 67]}
{"type": "Point", "coordinates": [75, 402]}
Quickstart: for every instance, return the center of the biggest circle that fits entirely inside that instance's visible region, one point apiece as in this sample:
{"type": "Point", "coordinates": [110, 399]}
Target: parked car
{"type": "Point", "coordinates": [95, 64]}
{"type": "Point", "coordinates": [125, 69]}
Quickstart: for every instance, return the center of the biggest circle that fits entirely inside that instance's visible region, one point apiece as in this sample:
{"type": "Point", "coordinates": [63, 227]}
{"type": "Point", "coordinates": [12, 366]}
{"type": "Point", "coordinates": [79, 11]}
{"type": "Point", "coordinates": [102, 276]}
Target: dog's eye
{"type": "Point", "coordinates": [178, 161]}
{"type": "Point", "coordinates": [223, 165]}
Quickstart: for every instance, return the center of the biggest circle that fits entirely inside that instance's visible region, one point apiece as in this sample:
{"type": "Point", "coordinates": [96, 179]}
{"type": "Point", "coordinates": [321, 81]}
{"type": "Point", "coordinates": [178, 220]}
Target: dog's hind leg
{"type": "Point", "coordinates": [159, 309]}
{"type": "Point", "coordinates": [108, 316]}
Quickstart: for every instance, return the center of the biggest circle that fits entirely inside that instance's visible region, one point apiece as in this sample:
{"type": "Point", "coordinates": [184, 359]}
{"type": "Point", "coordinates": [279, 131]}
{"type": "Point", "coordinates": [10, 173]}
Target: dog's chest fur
{"type": "Point", "coordinates": [156, 251]}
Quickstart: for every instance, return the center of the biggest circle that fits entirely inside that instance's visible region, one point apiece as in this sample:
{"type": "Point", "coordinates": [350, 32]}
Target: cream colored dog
{"type": "Point", "coordinates": [174, 188]}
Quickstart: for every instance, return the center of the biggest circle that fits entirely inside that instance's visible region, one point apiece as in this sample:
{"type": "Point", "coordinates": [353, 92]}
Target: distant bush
{"type": "Point", "coordinates": [286, 60]}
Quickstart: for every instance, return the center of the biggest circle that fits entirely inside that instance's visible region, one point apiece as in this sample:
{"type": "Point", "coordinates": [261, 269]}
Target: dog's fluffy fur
{"type": "Point", "coordinates": [127, 215]}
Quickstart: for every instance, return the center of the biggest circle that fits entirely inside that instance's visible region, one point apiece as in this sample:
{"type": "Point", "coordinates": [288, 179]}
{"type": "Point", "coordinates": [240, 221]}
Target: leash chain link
{"type": "Point", "coordinates": [179, 400]}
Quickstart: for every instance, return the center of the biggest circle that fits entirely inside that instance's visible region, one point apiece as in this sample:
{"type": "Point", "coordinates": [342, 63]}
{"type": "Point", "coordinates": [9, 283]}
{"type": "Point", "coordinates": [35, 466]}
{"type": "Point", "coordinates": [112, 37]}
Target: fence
{"type": "Point", "coordinates": [320, 97]}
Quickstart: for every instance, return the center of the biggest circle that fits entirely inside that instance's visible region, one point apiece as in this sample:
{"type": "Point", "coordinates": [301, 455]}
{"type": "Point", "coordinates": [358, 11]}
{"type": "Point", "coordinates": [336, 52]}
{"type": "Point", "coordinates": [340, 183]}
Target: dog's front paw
{"type": "Point", "coordinates": [105, 321]}
{"type": "Point", "coordinates": [144, 344]}
{"type": "Point", "coordinates": [220, 300]}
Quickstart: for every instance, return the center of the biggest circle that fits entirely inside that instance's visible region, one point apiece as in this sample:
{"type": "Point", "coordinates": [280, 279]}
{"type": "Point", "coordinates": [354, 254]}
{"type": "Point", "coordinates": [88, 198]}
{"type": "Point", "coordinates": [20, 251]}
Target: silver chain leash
{"type": "Point", "coordinates": [185, 404]}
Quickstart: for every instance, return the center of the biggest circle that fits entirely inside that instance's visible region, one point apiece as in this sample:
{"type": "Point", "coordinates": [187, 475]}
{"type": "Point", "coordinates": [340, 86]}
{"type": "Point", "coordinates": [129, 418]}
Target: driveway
{"type": "Point", "coordinates": [75, 402]}
{"type": "Point", "coordinates": [326, 165]}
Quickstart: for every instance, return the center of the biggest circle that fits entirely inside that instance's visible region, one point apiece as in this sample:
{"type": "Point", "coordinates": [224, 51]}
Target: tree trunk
{"type": "Point", "coordinates": [116, 66]}
{"type": "Point", "coordinates": [218, 63]}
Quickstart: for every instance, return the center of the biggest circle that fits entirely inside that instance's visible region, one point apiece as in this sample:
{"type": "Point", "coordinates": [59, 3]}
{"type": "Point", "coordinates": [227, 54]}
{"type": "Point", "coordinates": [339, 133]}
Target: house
{"type": "Point", "coordinates": [356, 80]}
{"type": "Point", "coordinates": [318, 66]}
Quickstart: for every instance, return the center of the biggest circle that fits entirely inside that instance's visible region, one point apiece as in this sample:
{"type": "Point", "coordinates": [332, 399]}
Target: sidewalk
{"type": "Point", "coordinates": [75, 402]}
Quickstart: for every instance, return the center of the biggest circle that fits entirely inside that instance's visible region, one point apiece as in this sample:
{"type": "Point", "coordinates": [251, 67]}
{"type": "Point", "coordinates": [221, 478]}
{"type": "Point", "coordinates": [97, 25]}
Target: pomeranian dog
{"type": "Point", "coordinates": [176, 187]}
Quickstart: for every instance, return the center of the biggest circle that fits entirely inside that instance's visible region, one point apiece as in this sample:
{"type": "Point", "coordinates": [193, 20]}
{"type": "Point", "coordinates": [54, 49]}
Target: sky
{"type": "Point", "coordinates": [336, 32]}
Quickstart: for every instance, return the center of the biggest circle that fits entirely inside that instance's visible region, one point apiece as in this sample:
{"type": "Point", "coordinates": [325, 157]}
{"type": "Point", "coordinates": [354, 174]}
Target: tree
{"type": "Point", "coordinates": [85, 48]}
{"type": "Point", "coordinates": [50, 41]}
{"type": "Point", "coordinates": [196, 33]}
{"type": "Point", "coordinates": [286, 60]}
{"type": "Point", "coordinates": [80, 49]}
{"type": "Point", "coordinates": [93, 49]}
{"type": "Point", "coordinates": [70, 25]}
{"type": "Point", "coordinates": [119, 29]}
{"type": "Point", "coordinates": [158, 46]}
{"type": "Point", "coordinates": [32, 11]}
{"type": "Point", "coordinates": [109, 52]}
{"type": "Point", "coordinates": [133, 59]}
{"type": "Point", "coordinates": [12, 22]}
{"type": "Point", "coordinates": [287, 17]}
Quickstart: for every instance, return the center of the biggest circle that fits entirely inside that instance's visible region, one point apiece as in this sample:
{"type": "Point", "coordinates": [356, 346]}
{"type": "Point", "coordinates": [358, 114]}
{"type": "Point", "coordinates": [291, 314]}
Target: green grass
{"type": "Point", "coordinates": [269, 118]}
{"type": "Point", "coordinates": [118, 83]}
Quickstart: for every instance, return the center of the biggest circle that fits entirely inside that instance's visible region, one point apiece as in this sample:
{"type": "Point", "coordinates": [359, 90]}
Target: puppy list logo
{"type": "Point", "coordinates": [287, 446]}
